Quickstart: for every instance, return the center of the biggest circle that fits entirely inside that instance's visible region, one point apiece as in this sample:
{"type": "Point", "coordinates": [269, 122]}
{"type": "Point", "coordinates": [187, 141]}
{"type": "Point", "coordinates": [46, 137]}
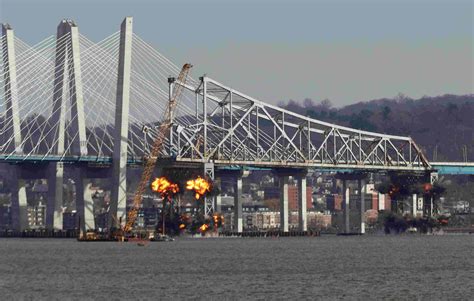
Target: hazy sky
{"type": "Point", "coordinates": [346, 51]}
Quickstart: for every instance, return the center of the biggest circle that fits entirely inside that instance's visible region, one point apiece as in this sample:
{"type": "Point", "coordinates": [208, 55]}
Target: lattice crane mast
{"type": "Point", "coordinates": [150, 161]}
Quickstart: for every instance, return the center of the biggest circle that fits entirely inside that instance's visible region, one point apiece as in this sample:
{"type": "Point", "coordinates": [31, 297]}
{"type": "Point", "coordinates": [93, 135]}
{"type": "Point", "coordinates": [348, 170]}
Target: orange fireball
{"type": "Point", "coordinates": [164, 186]}
{"type": "Point", "coordinates": [200, 187]}
{"type": "Point", "coordinates": [216, 218]}
{"type": "Point", "coordinates": [204, 228]}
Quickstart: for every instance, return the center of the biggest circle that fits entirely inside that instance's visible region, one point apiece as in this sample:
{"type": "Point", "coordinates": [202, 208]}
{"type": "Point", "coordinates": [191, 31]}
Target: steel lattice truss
{"type": "Point", "coordinates": [213, 123]}
{"type": "Point", "coordinates": [233, 128]}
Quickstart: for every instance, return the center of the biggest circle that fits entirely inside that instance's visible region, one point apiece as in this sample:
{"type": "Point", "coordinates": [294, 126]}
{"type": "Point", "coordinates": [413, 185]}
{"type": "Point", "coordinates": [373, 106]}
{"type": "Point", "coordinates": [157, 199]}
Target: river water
{"type": "Point", "coordinates": [328, 267]}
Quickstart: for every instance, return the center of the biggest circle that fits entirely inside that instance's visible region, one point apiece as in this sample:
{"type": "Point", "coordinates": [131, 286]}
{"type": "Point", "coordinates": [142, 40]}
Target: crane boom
{"type": "Point", "coordinates": [150, 161]}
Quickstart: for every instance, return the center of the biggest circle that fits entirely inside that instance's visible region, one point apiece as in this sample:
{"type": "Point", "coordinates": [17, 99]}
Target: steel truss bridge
{"type": "Point", "coordinates": [67, 101]}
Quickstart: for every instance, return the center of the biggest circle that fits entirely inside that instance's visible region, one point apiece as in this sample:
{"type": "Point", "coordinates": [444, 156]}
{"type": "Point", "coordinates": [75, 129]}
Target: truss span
{"type": "Point", "coordinates": [232, 128]}
{"type": "Point", "coordinates": [58, 104]}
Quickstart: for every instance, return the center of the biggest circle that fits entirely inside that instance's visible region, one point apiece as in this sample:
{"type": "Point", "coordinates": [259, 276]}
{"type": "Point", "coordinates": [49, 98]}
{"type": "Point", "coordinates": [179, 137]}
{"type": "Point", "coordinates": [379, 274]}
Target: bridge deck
{"type": "Point", "coordinates": [447, 168]}
{"type": "Point", "coordinates": [454, 168]}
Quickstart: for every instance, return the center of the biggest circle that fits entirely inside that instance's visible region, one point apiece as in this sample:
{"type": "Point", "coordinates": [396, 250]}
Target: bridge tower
{"type": "Point", "coordinates": [11, 93]}
{"type": "Point", "coordinates": [118, 204]}
{"type": "Point", "coordinates": [67, 69]}
{"type": "Point", "coordinates": [13, 129]}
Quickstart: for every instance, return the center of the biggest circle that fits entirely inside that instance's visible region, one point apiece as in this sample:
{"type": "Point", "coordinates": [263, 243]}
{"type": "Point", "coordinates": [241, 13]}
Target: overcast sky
{"type": "Point", "coordinates": [346, 51]}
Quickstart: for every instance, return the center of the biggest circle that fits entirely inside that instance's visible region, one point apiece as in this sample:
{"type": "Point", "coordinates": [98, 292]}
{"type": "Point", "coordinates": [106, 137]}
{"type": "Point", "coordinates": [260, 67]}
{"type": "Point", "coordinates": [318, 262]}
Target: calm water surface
{"type": "Point", "coordinates": [332, 267]}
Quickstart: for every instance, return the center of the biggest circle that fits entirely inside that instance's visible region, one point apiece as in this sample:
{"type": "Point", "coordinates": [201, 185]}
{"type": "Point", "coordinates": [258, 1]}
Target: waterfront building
{"type": "Point", "coordinates": [36, 216]}
{"type": "Point", "coordinates": [334, 202]}
{"type": "Point", "coordinates": [274, 193]}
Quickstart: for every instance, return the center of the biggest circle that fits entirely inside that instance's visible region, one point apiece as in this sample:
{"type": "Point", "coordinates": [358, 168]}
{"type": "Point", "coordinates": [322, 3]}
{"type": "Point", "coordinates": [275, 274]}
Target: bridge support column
{"type": "Point", "coordinates": [302, 201]}
{"type": "Point", "coordinates": [19, 215]}
{"type": "Point", "coordinates": [238, 222]}
{"type": "Point", "coordinates": [433, 180]}
{"type": "Point", "coordinates": [218, 198]}
{"type": "Point", "coordinates": [414, 205]}
{"type": "Point", "coordinates": [381, 201]}
{"type": "Point", "coordinates": [346, 194]}
{"type": "Point", "coordinates": [54, 210]}
{"type": "Point", "coordinates": [360, 177]}
{"type": "Point", "coordinates": [236, 176]}
{"type": "Point", "coordinates": [284, 226]}
{"type": "Point", "coordinates": [84, 201]}
{"type": "Point", "coordinates": [362, 192]}
{"type": "Point", "coordinates": [118, 204]}
{"type": "Point", "coordinates": [11, 93]}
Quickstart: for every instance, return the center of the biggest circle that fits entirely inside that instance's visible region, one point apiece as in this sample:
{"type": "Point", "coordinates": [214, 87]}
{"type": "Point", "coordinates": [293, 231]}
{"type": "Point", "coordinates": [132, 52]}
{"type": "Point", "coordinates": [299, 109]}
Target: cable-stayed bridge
{"type": "Point", "coordinates": [59, 104]}
{"type": "Point", "coordinates": [68, 101]}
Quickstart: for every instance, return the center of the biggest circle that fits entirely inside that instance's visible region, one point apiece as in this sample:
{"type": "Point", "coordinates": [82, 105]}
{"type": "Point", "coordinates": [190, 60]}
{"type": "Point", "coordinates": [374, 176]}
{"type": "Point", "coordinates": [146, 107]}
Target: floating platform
{"type": "Point", "coordinates": [350, 234]}
{"type": "Point", "coordinates": [39, 233]}
{"type": "Point", "coordinates": [269, 233]}
{"type": "Point", "coordinates": [460, 230]}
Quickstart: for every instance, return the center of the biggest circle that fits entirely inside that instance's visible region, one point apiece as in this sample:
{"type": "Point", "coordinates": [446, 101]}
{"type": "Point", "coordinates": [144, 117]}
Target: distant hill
{"type": "Point", "coordinates": [443, 125]}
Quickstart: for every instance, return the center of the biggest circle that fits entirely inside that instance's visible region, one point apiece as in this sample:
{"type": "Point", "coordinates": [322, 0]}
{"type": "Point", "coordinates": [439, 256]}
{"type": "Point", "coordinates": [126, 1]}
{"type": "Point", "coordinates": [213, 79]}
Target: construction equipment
{"type": "Point", "coordinates": [150, 161]}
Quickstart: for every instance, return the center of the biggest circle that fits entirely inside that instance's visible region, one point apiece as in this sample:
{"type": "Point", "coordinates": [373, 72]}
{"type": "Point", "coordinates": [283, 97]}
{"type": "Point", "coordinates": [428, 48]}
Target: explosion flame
{"type": "Point", "coordinates": [200, 187]}
{"type": "Point", "coordinates": [204, 228]}
{"type": "Point", "coordinates": [164, 187]}
{"type": "Point", "coordinates": [427, 187]}
{"type": "Point", "coordinates": [218, 219]}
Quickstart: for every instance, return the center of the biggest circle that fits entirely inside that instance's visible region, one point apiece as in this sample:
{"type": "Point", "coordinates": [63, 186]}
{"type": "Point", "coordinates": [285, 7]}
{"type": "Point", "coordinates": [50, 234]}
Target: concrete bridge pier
{"type": "Point", "coordinates": [414, 205]}
{"type": "Point", "coordinates": [346, 199]}
{"type": "Point", "coordinates": [84, 201]}
{"type": "Point", "coordinates": [54, 212]}
{"type": "Point", "coordinates": [237, 177]}
{"type": "Point", "coordinates": [302, 219]}
{"type": "Point", "coordinates": [15, 179]}
{"type": "Point", "coordinates": [283, 177]}
{"type": "Point", "coordinates": [19, 215]}
{"type": "Point", "coordinates": [83, 175]}
{"type": "Point", "coordinates": [283, 182]}
{"type": "Point", "coordinates": [362, 192]}
{"type": "Point", "coordinates": [238, 222]}
{"type": "Point", "coordinates": [238, 218]}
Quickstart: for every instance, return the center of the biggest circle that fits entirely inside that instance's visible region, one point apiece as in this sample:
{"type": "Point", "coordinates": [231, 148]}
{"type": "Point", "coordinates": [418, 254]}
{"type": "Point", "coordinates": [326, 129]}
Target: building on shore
{"type": "Point", "coordinates": [36, 216]}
